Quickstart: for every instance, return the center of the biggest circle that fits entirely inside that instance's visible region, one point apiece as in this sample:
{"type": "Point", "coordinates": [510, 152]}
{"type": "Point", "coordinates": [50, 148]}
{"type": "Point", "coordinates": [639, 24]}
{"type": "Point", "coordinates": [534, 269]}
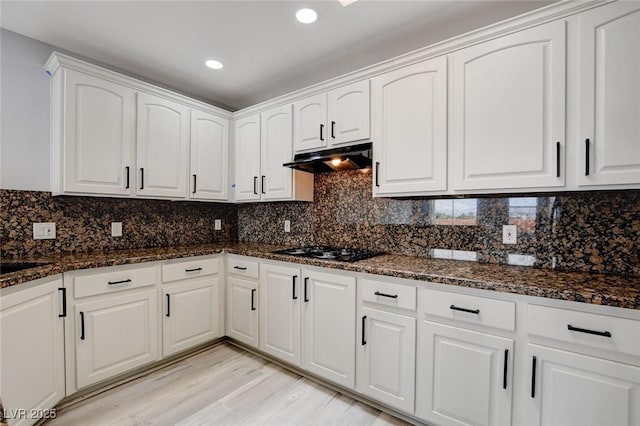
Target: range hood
{"type": "Point", "coordinates": [336, 159]}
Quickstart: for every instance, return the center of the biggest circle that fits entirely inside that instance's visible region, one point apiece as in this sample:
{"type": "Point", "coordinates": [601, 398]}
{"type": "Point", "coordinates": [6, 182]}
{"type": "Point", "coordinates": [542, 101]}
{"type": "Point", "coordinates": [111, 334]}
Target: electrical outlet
{"type": "Point", "coordinates": [116, 229]}
{"type": "Point", "coordinates": [287, 226]}
{"type": "Point", "coordinates": [44, 231]}
{"type": "Point", "coordinates": [217, 224]}
{"type": "Point", "coordinates": [509, 234]}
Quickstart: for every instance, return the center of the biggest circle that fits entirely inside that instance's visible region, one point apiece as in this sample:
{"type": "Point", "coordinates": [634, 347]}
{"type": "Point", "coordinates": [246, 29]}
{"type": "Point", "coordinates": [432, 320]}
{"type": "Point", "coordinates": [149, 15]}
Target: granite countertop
{"type": "Point", "coordinates": [574, 286]}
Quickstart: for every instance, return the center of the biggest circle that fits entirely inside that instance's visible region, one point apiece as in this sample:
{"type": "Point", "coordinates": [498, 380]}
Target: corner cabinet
{"type": "Point", "coordinates": [209, 157]}
{"type": "Point", "coordinates": [242, 299]}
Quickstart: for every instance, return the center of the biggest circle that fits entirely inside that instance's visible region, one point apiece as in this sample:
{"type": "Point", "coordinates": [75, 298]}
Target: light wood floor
{"type": "Point", "coordinates": [224, 385]}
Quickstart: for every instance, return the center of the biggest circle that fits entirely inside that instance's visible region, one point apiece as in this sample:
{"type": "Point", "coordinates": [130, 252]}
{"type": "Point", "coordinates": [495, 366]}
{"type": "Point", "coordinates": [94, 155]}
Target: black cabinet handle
{"type": "Point", "coordinates": [293, 281]}
{"type": "Point", "coordinates": [471, 311]}
{"type": "Point", "coordinates": [81, 325]}
{"type": "Point", "coordinates": [504, 369]}
{"type": "Point", "coordinates": [377, 173]}
{"type": "Point", "coordinates": [64, 302]}
{"type": "Point", "coordinates": [584, 330]}
{"type": "Point", "coordinates": [333, 129]}
{"type": "Point", "coordinates": [587, 144]}
{"type": "Point", "coordinates": [262, 181]}
{"type": "Point", "coordinates": [321, 130]}
{"type": "Point", "coordinates": [306, 281]}
{"type": "Point", "coordinates": [194, 184]}
{"type": "Point", "coordinates": [193, 270]}
{"type": "Point", "coordinates": [253, 306]}
{"type": "Point", "coordinates": [255, 185]}
{"type": "Point", "coordinates": [533, 377]}
{"type": "Point", "coordinates": [392, 296]}
{"type": "Point", "coordinates": [127, 185]}
{"type": "Point", "coordinates": [168, 305]}
{"type": "Point", "coordinates": [119, 282]}
{"type": "Point", "coordinates": [364, 323]}
{"type": "Point", "coordinates": [557, 159]}
{"type": "Point", "coordinates": [241, 268]}
{"type": "Point", "coordinates": [141, 178]}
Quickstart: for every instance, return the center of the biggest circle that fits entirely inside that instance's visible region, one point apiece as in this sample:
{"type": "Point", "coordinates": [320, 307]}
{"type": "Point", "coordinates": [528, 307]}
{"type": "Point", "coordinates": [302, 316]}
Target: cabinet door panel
{"type": "Point", "coordinates": [276, 145]}
{"type": "Point", "coordinates": [349, 112]}
{"type": "Point", "coordinates": [247, 153]}
{"type": "Point", "coordinates": [242, 310]}
{"type": "Point", "coordinates": [209, 156]}
{"type": "Point", "coordinates": [310, 123]}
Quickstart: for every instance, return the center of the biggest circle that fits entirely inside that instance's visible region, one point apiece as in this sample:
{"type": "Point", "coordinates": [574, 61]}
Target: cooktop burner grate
{"type": "Point", "coordinates": [329, 253]}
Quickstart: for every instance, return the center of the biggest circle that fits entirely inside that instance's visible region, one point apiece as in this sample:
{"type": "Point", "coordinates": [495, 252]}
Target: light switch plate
{"type": "Point", "coordinates": [287, 226]}
{"type": "Point", "coordinates": [509, 234]}
{"type": "Point", "coordinates": [217, 224]}
{"type": "Point", "coordinates": [116, 229]}
{"type": "Point", "coordinates": [44, 231]}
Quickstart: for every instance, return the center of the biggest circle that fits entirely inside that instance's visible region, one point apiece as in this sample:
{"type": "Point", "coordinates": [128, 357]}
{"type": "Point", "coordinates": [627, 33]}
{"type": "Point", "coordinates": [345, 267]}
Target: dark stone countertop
{"type": "Point", "coordinates": [573, 286]}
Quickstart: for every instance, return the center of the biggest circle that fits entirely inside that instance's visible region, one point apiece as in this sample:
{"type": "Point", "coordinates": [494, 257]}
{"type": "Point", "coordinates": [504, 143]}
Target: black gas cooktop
{"type": "Point", "coordinates": [329, 253]}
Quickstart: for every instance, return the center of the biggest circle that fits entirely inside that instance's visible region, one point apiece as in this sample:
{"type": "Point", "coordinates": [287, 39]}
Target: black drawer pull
{"type": "Point", "coordinates": [193, 270]}
{"type": "Point", "coordinates": [584, 330]}
{"type": "Point", "coordinates": [293, 280]}
{"type": "Point", "coordinates": [81, 325]}
{"type": "Point", "coordinates": [120, 282]}
{"type": "Point", "coordinates": [392, 296]}
{"type": "Point", "coordinates": [194, 184]}
{"type": "Point", "coordinates": [141, 177]}
{"type": "Point", "coordinates": [127, 185]}
{"type": "Point", "coordinates": [306, 281]}
{"type": "Point", "coordinates": [504, 369]}
{"type": "Point", "coordinates": [364, 322]}
{"type": "Point", "coordinates": [321, 129]}
{"type": "Point", "coordinates": [533, 377]}
{"type": "Point", "coordinates": [64, 302]}
{"type": "Point", "coordinates": [253, 306]}
{"type": "Point", "coordinates": [168, 305]}
{"type": "Point", "coordinates": [586, 157]}
{"type": "Point", "coordinates": [471, 311]}
{"type": "Point", "coordinates": [255, 185]}
{"type": "Point", "coordinates": [262, 184]}
{"type": "Point", "coordinates": [557, 159]}
{"type": "Point", "coordinates": [240, 268]}
{"type": "Point", "coordinates": [377, 180]}
{"type": "Point", "coordinates": [333, 129]}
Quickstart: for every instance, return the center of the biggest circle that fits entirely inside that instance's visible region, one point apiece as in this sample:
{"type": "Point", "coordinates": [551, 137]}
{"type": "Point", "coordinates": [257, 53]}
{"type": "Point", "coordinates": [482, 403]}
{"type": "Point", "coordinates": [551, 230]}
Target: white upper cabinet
{"type": "Point", "coordinates": [609, 95]}
{"type": "Point", "coordinates": [163, 144]}
{"type": "Point", "coordinates": [247, 158]}
{"type": "Point", "coordinates": [349, 112]}
{"type": "Point", "coordinates": [508, 111]}
{"type": "Point", "coordinates": [276, 141]}
{"type": "Point", "coordinates": [309, 130]}
{"type": "Point", "coordinates": [98, 137]}
{"type": "Point", "coordinates": [209, 156]}
{"type": "Point", "coordinates": [409, 114]}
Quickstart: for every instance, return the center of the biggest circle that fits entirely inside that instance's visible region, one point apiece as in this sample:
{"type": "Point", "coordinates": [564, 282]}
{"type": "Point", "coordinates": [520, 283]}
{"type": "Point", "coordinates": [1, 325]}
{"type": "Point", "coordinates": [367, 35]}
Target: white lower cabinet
{"type": "Point", "coordinates": [242, 310]}
{"type": "Point", "coordinates": [32, 350]}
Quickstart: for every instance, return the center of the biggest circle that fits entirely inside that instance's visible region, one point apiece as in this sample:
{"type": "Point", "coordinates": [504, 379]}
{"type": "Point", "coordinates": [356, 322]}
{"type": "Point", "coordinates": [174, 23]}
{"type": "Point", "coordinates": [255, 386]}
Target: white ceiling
{"type": "Point", "coordinates": [265, 51]}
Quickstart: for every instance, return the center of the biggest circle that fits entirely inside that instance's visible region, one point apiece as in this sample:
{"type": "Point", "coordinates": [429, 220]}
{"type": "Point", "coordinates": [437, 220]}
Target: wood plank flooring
{"type": "Point", "coordinates": [224, 385]}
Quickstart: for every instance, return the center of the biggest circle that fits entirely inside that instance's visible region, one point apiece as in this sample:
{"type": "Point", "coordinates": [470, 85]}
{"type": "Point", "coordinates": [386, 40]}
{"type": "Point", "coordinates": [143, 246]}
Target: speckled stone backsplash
{"type": "Point", "coordinates": [595, 232]}
{"type": "Point", "coordinates": [84, 223]}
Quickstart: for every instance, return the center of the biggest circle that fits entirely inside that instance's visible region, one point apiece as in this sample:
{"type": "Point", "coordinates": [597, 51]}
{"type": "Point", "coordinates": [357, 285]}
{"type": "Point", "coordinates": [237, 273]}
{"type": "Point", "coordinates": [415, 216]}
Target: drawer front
{"type": "Point", "coordinates": [601, 331]}
{"type": "Point", "coordinates": [472, 309]}
{"type": "Point", "coordinates": [115, 279]}
{"type": "Point", "coordinates": [192, 268]}
{"type": "Point", "coordinates": [242, 267]}
{"type": "Point", "coordinates": [388, 294]}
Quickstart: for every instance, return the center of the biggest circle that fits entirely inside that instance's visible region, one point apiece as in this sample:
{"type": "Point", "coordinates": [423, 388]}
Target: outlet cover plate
{"type": "Point", "coordinates": [217, 224]}
{"type": "Point", "coordinates": [44, 231]}
{"type": "Point", "coordinates": [287, 226]}
{"type": "Point", "coordinates": [116, 229]}
{"type": "Point", "coordinates": [509, 234]}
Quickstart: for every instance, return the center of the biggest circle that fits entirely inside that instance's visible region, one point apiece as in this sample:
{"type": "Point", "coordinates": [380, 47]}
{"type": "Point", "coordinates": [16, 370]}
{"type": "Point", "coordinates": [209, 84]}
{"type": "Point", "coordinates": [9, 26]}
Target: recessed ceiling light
{"type": "Point", "coordinates": [346, 3]}
{"type": "Point", "coordinates": [306, 16]}
{"type": "Point", "coordinates": [212, 63]}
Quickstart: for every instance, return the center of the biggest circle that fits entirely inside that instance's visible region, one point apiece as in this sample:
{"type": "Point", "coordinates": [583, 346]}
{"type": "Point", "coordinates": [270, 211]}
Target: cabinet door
{"type": "Point", "coordinates": [508, 103]}
{"type": "Point", "coordinates": [247, 152]}
{"type": "Point", "coordinates": [209, 156]}
{"type": "Point", "coordinates": [386, 358]}
{"type": "Point", "coordinates": [329, 326]}
{"type": "Point", "coordinates": [280, 312]}
{"type": "Point", "coordinates": [463, 377]}
{"type": "Point", "coordinates": [115, 334]}
{"type": "Point", "coordinates": [573, 389]}
{"type": "Point", "coordinates": [310, 123]}
{"type": "Point", "coordinates": [162, 147]}
{"type": "Point", "coordinates": [276, 144]}
{"type": "Point", "coordinates": [32, 350]}
{"type": "Point", "coordinates": [242, 310]}
{"type": "Point", "coordinates": [349, 112]}
{"type": "Point", "coordinates": [610, 95]}
{"type": "Point", "coordinates": [99, 130]}
{"type": "Point", "coordinates": [409, 112]}
{"type": "Point", "coordinates": [191, 312]}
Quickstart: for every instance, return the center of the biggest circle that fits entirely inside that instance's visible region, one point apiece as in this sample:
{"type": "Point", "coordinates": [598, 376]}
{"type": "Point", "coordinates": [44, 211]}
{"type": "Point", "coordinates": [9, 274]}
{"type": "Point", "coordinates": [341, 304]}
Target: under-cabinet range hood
{"type": "Point", "coordinates": [329, 160]}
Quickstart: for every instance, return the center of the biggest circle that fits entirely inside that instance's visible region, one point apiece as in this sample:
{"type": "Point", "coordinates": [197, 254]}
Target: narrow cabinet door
{"type": "Point", "coordinates": [242, 310]}
{"type": "Point", "coordinates": [209, 156]}
{"type": "Point", "coordinates": [163, 145]}
{"type": "Point", "coordinates": [99, 130]}
{"type": "Point", "coordinates": [329, 326]}
{"type": "Point", "coordinates": [349, 113]}
{"type": "Point", "coordinates": [386, 354]}
{"type": "Point", "coordinates": [508, 104]}
{"type": "Point", "coordinates": [280, 312]}
{"type": "Point", "coordinates": [409, 116]}
{"type": "Point", "coordinates": [463, 377]}
{"type": "Point", "coordinates": [276, 144]}
{"type": "Point", "coordinates": [610, 95]}
{"type": "Point", "coordinates": [246, 138]}
{"type": "Point", "coordinates": [310, 123]}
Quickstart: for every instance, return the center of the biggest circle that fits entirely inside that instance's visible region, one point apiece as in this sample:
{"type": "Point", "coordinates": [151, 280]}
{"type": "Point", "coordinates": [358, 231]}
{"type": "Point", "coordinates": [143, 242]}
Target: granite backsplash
{"type": "Point", "coordinates": [84, 223]}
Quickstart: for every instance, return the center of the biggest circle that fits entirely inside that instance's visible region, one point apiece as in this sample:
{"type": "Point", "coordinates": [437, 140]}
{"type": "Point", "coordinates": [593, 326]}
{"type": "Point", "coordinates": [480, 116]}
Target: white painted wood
{"type": "Point", "coordinates": [310, 123]}
{"type": "Point", "coordinates": [579, 390]}
{"type": "Point", "coordinates": [280, 312]}
{"type": "Point", "coordinates": [99, 132]}
{"type": "Point", "coordinates": [243, 267]}
{"type": "Point", "coordinates": [247, 158]}
{"type": "Point", "coordinates": [329, 326]}
{"type": "Point", "coordinates": [459, 378]}
{"type": "Point", "coordinates": [405, 295]}
{"type": "Point", "coordinates": [349, 113]}
{"type": "Point", "coordinates": [508, 111]}
{"type": "Point", "coordinates": [493, 313]}
{"type": "Point", "coordinates": [192, 268]}
{"type": "Point", "coordinates": [32, 350]}
{"type": "Point", "coordinates": [190, 314]}
{"type": "Point", "coordinates": [120, 333]}
{"type": "Point", "coordinates": [209, 157]}
{"type": "Point", "coordinates": [162, 147]}
{"type": "Point", "coordinates": [409, 129]}
{"type": "Point", "coordinates": [610, 95]}
{"type": "Point", "coordinates": [93, 282]}
{"type": "Point", "coordinates": [276, 149]}
{"type": "Point", "coordinates": [386, 363]}
{"type": "Point", "coordinates": [242, 310]}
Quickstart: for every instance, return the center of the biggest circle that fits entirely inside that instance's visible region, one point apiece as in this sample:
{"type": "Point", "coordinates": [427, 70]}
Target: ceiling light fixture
{"type": "Point", "coordinates": [346, 3]}
{"type": "Point", "coordinates": [306, 16]}
{"type": "Point", "coordinates": [213, 64]}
